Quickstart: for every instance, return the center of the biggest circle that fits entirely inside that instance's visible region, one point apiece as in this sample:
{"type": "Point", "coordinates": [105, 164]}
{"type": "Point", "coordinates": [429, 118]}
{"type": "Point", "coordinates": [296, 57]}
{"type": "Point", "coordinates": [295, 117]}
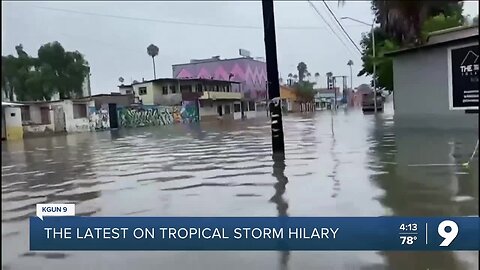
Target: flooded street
{"type": "Point", "coordinates": [349, 164]}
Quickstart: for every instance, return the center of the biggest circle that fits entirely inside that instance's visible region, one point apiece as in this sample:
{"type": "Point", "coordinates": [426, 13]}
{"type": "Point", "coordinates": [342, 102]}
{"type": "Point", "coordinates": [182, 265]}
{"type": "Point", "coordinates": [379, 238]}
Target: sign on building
{"type": "Point", "coordinates": [244, 52]}
{"type": "Point", "coordinates": [463, 77]}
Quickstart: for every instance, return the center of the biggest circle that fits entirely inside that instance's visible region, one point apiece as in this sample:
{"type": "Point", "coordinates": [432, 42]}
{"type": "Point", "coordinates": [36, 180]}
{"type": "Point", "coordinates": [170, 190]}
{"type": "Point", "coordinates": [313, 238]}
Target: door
{"type": "Point", "coordinates": [59, 119]}
{"type": "Point", "coordinates": [112, 114]}
{"type": "Point", "coordinates": [219, 110]}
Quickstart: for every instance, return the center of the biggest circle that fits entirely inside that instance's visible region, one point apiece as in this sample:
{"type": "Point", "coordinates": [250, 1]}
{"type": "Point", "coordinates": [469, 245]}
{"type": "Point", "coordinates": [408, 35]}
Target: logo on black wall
{"type": "Point", "coordinates": [469, 65]}
{"type": "Point", "coordinates": [463, 79]}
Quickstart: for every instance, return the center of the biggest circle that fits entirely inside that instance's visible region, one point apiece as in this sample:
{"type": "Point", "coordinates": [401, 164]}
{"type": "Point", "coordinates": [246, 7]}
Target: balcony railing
{"type": "Point", "coordinates": [221, 95]}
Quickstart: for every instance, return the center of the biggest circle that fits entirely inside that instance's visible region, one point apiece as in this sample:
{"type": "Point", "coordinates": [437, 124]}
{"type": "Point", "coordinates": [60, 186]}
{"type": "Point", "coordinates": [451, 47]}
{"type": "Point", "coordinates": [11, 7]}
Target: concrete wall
{"type": "Point", "coordinates": [120, 100]}
{"type": "Point", "coordinates": [35, 127]}
{"type": "Point", "coordinates": [147, 99]}
{"type": "Point", "coordinates": [209, 110]}
{"type": "Point", "coordinates": [76, 124]}
{"type": "Point", "coordinates": [421, 91]}
{"type": "Point", "coordinates": [13, 123]}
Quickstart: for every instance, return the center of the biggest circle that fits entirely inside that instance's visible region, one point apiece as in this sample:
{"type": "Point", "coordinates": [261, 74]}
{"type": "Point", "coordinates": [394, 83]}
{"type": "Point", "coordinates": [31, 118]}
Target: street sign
{"type": "Point", "coordinates": [463, 70]}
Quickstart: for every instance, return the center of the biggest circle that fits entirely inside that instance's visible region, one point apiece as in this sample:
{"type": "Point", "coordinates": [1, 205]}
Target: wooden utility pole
{"type": "Point", "coordinates": [273, 86]}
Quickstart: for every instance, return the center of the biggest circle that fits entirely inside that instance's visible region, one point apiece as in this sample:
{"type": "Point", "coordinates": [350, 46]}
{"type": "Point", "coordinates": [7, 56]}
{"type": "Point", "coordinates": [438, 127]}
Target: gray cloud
{"type": "Point", "coordinates": [116, 46]}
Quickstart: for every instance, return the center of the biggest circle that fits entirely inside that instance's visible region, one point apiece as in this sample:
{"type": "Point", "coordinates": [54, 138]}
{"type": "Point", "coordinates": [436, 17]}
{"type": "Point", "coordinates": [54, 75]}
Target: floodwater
{"type": "Point", "coordinates": [349, 164]}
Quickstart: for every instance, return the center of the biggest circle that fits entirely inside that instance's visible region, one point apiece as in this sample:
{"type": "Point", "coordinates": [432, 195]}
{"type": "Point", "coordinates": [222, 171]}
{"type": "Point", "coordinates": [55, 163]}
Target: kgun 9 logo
{"type": "Point", "coordinates": [447, 235]}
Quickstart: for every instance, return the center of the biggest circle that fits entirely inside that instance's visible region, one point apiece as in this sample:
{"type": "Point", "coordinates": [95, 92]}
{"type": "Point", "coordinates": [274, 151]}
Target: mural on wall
{"type": "Point", "coordinates": [157, 115]}
{"type": "Point", "coordinates": [189, 111]}
{"type": "Point", "coordinates": [99, 119]}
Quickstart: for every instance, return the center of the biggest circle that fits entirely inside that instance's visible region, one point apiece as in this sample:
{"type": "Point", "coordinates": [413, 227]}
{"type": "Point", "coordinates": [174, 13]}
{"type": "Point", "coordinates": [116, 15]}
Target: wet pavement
{"type": "Point", "coordinates": [349, 164]}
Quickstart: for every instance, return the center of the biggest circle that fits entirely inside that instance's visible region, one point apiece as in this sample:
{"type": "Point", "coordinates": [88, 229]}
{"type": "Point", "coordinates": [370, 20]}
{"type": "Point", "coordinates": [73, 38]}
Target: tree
{"type": "Point", "coordinates": [403, 20]}
{"type": "Point", "coordinates": [62, 71]}
{"type": "Point", "coordinates": [350, 64]}
{"type": "Point", "coordinates": [385, 43]}
{"type": "Point", "coordinates": [302, 71]}
{"type": "Point", "coordinates": [53, 71]}
{"type": "Point", "coordinates": [152, 50]}
{"type": "Point", "coordinates": [295, 77]}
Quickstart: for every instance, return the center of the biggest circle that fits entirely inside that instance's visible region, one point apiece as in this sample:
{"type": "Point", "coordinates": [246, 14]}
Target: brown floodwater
{"type": "Point", "coordinates": [347, 164]}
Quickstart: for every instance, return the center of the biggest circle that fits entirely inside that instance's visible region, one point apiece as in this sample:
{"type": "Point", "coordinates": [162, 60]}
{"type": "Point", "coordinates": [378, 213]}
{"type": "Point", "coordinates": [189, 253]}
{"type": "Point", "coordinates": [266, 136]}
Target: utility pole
{"type": "Point", "coordinates": [335, 91]}
{"type": "Point", "coordinates": [278, 144]}
{"type": "Point", "coordinates": [374, 69]}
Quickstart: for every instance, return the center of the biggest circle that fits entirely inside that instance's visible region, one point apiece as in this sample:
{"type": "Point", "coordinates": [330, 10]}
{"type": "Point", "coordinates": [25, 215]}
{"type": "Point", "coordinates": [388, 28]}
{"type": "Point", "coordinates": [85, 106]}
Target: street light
{"type": "Point", "coordinates": [373, 52]}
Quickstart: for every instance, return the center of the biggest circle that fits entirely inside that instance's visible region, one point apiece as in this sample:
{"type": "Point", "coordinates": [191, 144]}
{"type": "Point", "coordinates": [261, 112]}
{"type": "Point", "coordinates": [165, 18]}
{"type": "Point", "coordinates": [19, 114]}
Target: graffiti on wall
{"type": "Point", "coordinates": [157, 115]}
{"type": "Point", "coordinates": [99, 119]}
{"type": "Point", "coordinates": [189, 111]}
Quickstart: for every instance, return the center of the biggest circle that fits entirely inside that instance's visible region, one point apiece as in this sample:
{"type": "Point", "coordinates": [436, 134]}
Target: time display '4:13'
{"type": "Point", "coordinates": [409, 227]}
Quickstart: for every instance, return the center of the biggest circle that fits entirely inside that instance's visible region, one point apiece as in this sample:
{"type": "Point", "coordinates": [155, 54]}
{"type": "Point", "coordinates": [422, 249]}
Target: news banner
{"type": "Point", "coordinates": [57, 228]}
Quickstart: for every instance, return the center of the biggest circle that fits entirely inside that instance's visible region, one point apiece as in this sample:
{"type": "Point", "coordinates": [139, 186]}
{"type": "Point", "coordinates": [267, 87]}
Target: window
{"type": "Point", "coordinates": [173, 89]}
{"type": "Point", "coordinates": [79, 111]}
{"type": "Point", "coordinates": [251, 106]}
{"type": "Point", "coordinates": [217, 88]}
{"type": "Point", "coordinates": [45, 115]}
{"type": "Point", "coordinates": [199, 88]}
{"type": "Point", "coordinates": [227, 109]}
{"type": "Point", "coordinates": [165, 90]}
{"type": "Point", "coordinates": [25, 113]}
{"type": "Point", "coordinates": [142, 91]}
{"type": "Point", "coordinates": [227, 88]}
{"type": "Point", "coordinates": [236, 107]}
{"type": "Point", "coordinates": [129, 92]}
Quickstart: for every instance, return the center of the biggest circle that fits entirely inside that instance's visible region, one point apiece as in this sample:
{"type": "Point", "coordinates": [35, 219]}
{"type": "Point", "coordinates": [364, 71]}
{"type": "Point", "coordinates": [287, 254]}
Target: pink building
{"type": "Point", "coordinates": [250, 73]}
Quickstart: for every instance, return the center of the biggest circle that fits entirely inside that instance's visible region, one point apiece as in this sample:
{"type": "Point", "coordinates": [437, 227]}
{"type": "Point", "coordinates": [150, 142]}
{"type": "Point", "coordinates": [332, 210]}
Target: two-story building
{"type": "Point", "coordinates": [214, 98]}
{"type": "Point", "coordinates": [250, 73]}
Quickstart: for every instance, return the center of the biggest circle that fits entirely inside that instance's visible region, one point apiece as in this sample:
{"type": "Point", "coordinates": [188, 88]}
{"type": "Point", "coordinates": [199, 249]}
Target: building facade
{"type": "Point", "coordinates": [213, 98]}
{"type": "Point", "coordinates": [422, 77]}
{"type": "Point", "coordinates": [251, 74]}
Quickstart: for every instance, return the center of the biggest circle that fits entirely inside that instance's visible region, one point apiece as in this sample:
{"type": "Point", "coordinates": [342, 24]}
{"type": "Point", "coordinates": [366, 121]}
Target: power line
{"type": "Point", "coordinates": [329, 26]}
{"type": "Point", "coordinates": [343, 29]}
{"type": "Point", "coordinates": [175, 22]}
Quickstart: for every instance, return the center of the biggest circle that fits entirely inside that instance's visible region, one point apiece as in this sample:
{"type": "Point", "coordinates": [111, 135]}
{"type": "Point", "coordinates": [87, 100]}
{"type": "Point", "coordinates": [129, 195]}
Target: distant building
{"type": "Point", "coordinates": [324, 97]}
{"type": "Point", "coordinates": [249, 72]}
{"type": "Point", "coordinates": [290, 99]}
{"type": "Point", "coordinates": [436, 84]}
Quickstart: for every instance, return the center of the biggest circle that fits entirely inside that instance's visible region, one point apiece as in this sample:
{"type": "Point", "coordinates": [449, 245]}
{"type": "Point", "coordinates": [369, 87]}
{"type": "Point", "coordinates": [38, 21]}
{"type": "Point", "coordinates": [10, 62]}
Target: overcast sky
{"type": "Point", "coordinates": [114, 36]}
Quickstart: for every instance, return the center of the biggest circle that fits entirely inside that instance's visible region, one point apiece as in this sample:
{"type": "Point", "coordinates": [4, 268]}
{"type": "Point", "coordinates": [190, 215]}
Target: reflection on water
{"type": "Point", "coordinates": [362, 168]}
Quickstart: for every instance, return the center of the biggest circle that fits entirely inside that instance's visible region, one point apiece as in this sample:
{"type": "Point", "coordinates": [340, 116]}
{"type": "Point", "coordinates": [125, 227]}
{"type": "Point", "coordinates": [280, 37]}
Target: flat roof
{"type": "Point", "coordinates": [185, 80]}
{"type": "Point", "coordinates": [442, 37]}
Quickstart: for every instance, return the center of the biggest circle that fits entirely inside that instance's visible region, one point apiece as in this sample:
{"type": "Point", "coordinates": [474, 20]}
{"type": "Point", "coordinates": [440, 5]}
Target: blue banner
{"type": "Point", "coordinates": [254, 233]}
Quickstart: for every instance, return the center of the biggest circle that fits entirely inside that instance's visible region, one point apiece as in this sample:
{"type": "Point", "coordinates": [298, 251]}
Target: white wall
{"type": "Point", "coordinates": [72, 124]}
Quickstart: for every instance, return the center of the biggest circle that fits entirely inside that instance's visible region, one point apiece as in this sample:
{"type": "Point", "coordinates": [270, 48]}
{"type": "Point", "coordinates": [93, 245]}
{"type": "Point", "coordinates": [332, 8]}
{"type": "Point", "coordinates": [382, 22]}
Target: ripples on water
{"type": "Point", "coordinates": [226, 169]}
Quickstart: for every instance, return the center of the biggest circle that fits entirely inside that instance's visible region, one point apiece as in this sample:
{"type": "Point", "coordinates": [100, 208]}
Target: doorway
{"type": "Point", "coordinates": [112, 115]}
{"type": "Point", "coordinates": [219, 110]}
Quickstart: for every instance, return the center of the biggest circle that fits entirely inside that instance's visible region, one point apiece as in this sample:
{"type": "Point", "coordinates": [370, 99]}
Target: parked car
{"type": "Point", "coordinates": [368, 104]}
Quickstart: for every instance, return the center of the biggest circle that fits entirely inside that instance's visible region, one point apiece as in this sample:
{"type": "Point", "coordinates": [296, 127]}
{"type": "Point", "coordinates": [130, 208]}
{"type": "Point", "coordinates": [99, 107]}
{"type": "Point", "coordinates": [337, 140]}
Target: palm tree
{"type": "Point", "coordinates": [317, 77]}
{"type": "Point", "coordinates": [302, 71]}
{"type": "Point", "coordinates": [350, 64]}
{"type": "Point", "coordinates": [309, 75]}
{"type": "Point", "coordinates": [152, 50]}
{"type": "Point", "coordinates": [290, 76]}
